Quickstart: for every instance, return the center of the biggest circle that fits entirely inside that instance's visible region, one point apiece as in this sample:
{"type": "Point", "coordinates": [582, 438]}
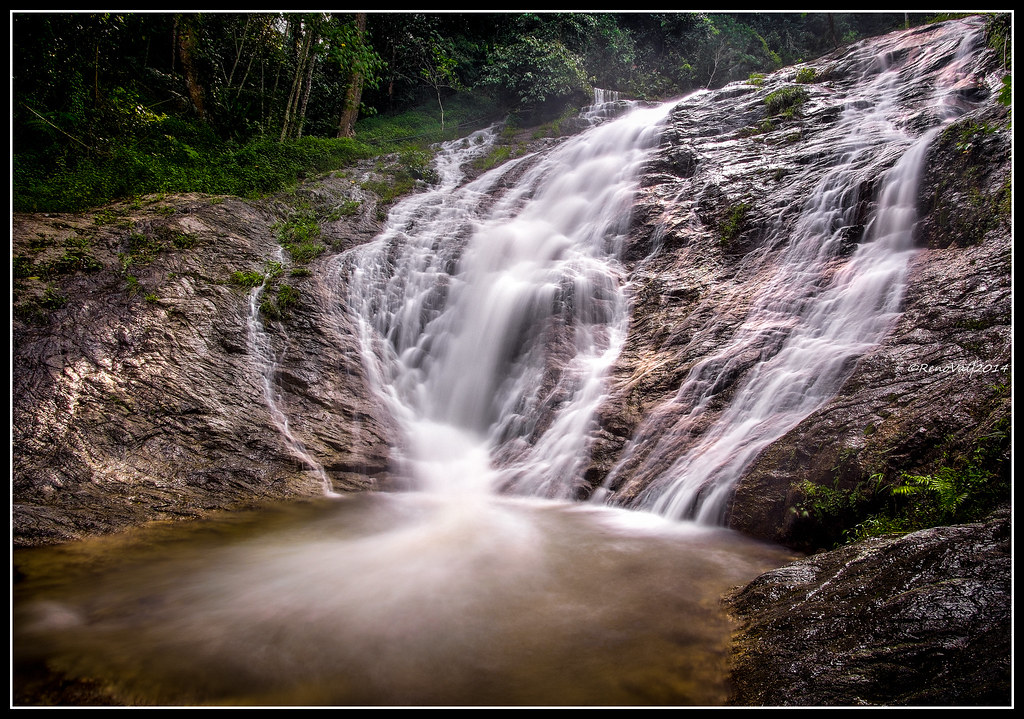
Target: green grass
{"type": "Point", "coordinates": [734, 223]}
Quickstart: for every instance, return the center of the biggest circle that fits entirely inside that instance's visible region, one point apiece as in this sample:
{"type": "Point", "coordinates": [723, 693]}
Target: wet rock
{"type": "Point", "coordinates": [137, 394]}
{"type": "Point", "coordinates": [922, 619]}
{"type": "Point", "coordinates": [934, 387]}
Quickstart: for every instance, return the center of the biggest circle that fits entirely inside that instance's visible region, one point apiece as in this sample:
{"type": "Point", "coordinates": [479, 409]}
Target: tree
{"type": "Point", "coordinates": [185, 30]}
{"type": "Point", "coordinates": [305, 34]}
{"type": "Point", "coordinates": [533, 75]}
{"type": "Point", "coordinates": [438, 69]}
{"type": "Point", "coordinates": [351, 51]}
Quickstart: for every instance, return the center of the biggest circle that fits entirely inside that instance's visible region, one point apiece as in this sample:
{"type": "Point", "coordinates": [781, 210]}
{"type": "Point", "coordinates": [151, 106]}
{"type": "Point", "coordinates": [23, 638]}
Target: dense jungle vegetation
{"type": "Point", "coordinates": [116, 105]}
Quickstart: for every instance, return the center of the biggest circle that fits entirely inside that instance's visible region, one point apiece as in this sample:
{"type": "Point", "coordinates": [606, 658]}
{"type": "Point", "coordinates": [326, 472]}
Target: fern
{"type": "Point", "coordinates": [946, 486]}
{"type": "Point", "coordinates": [951, 492]}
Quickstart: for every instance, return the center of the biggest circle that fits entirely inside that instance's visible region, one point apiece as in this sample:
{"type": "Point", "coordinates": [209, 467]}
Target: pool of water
{"type": "Point", "coordinates": [388, 599]}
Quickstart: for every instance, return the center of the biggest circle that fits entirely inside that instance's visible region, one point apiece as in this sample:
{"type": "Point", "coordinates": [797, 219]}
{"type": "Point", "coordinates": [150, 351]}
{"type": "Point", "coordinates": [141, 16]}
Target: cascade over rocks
{"type": "Point", "coordinates": [715, 211]}
{"type": "Point", "coordinates": [138, 389]}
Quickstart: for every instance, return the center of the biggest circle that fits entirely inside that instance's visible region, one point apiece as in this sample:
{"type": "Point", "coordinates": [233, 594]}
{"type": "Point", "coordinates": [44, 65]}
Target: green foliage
{"type": "Point", "coordinates": [786, 101]}
{"type": "Point", "coordinates": [23, 267]}
{"type": "Point", "coordinates": [964, 488]}
{"type": "Point", "coordinates": [999, 37]}
{"type": "Point", "coordinates": [498, 155]}
{"type": "Point", "coordinates": [132, 286]}
{"type": "Point", "coordinates": [143, 166]}
{"type": "Point", "coordinates": [833, 505]}
{"type": "Point", "coordinates": [346, 209]}
{"type": "Point", "coordinates": [1006, 93]}
{"type": "Point", "coordinates": [75, 258]}
{"type": "Point", "coordinates": [287, 297]}
{"type": "Point", "coordinates": [184, 241]}
{"type": "Point", "coordinates": [278, 306]}
{"type": "Point", "coordinates": [533, 75]}
{"type": "Point", "coordinates": [52, 299]}
{"type": "Point", "coordinates": [400, 177]}
{"type": "Point", "coordinates": [299, 234]}
{"type": "Point", "coordinates": [247, 279]}
{"type": "Point", "coordinates": [108, 106]}
{"type": "Point", "coordinates": [734, 223]}
{"type": "Point", "coordinates": [806, 75]}
{"type": "Point", "coordinates": [947, 489]}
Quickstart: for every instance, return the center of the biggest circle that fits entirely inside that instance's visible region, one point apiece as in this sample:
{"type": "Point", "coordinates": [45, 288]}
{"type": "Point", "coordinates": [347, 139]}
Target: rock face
{"type": "Point", "coordinates": [922, 619]}
{"type": "Point", "coordinates": [717, 213]}
{"type": "Point", "coordinates": [138, 390]}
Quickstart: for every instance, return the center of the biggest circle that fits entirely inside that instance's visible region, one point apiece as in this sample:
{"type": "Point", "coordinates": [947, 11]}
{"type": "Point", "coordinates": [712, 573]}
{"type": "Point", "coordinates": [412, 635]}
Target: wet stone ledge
{"type": "Point", "coordinates": [921, 619]}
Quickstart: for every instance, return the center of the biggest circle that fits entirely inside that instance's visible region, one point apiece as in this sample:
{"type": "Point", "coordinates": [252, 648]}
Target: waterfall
{"type": "Point", "coordinates": [820, 311]}
{"type": "Point", "coordinates": [262, 351]}
{"type": "Point", "coordinates": [491, 312]}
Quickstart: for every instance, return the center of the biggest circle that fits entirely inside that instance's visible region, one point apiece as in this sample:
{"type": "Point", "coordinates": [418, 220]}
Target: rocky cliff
{"type": "Point", "coordinates": [139, 388]}
{"type": "Point", "coordinates": [922, 619]}
{"type": "Point", "coordinates": [718, 208]}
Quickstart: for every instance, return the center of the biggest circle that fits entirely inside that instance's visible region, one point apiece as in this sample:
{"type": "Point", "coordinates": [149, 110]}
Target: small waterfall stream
{"type": "Point", "coordinates": [490, 314]}
{"type": "Point", "coordinates": [262, 351]}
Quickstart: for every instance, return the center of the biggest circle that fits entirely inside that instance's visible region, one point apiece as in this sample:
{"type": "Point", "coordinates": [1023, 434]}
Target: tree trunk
{"type": "Point", "coordinates": [305, 97]}
{"type": "Point", "coordinates": [291, 110]}
{"type": "Point", "coordinates": [186, 46]}
{"type": "Point", "coordinates": [354, 94]}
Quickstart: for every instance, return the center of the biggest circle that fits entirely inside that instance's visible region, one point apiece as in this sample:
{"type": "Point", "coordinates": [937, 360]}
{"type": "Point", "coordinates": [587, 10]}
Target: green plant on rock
{"type": "Point", "coordinates": [944, 488]}
{"type": "Point", "coordinates": [273, 269]}
{"type": "Point", "coordinates": [184, 241]}
{"type": "Point", "coordinates": [806, 74]}
{"type": "Point", "coordinates": [299, 234]}
{"type": "Point", "coordinates": [963, 489]}
{"type": "Point", "coordinates": [53, 299]}
{"type": "Point", "coordinates": [277, 306]}
{"type": "Point", "coordinates": [269, 310]}
{"type": "Point", "coordinates": [247, 279]}
{"type": "Point", "coordinates": [786, 101]}
{"type": "Point", "coordinates": [287, 298]}
{"type": "Point", "coordinates": [132, 286]}
{"type": "Point", "coordinates": [734, 223]}
{"type": "Point", "coordinates": [345, 209]}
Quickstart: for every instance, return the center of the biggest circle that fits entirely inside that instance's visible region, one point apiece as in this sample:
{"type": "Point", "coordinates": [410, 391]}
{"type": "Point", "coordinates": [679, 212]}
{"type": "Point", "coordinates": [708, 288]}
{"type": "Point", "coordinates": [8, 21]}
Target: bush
{"type": "Point", "coordinates": [786, 101]}
{"type": "Point", "coordinates": [168, 164]}
{"type": "Point", "coordinates": [806, 74]}
{"type": "Point", "coordinates": [533, 75]}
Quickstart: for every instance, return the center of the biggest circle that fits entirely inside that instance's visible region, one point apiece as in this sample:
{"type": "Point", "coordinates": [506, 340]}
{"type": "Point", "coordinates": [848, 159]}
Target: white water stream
{"type": "Point", "coordinates": [262, 351]}
{"type": "Point", "coordinates": [818, 313]}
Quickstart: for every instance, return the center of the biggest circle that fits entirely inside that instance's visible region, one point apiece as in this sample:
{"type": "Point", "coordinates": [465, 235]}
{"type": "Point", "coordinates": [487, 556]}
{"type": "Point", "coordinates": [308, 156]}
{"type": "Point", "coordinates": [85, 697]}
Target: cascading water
{"type": "Point", "coordinates": [482, 318]}
{"type": "Point", "coordinates": [262, 351]}
{"type": "Point", "coordinates": [820, 311]}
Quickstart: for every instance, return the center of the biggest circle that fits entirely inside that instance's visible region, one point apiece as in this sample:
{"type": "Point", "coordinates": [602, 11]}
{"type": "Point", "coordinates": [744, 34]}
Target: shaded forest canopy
{"type": "Point", "coordinates": [115, 105]}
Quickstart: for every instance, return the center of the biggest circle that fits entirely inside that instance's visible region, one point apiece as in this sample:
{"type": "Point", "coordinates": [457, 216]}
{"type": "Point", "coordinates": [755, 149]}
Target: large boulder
{"type": "Point", "coordinates": [921, 619]}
